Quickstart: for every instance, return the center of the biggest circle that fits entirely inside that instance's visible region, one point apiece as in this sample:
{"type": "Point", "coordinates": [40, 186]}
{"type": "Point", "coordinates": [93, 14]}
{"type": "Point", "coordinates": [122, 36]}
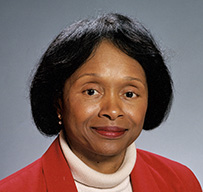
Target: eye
{"type": "Point", "coordinates": [91, 92]}
{"type": "Point", "coordinates": [130, 94]}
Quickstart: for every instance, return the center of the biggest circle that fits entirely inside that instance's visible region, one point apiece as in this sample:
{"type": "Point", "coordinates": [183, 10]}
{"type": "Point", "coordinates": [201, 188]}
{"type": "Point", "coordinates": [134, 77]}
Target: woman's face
{"type": "Point", "coordinates": [104, 103]}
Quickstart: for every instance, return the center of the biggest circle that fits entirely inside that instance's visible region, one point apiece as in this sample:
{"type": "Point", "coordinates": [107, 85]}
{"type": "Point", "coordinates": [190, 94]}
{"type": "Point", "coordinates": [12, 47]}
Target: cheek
{"type": "Point", "coordinates": [80, 111]}
{"type": "Point", "coordinates": [137, 113]}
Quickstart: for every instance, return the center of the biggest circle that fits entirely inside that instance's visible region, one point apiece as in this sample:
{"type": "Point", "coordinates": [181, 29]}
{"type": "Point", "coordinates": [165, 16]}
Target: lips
{"type": "Point", "coordinates": [110, 132]}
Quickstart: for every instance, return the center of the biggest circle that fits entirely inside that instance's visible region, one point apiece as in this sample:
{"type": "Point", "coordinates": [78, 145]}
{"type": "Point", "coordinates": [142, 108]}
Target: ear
{"type": "Point", "coordinates": [59, 107]}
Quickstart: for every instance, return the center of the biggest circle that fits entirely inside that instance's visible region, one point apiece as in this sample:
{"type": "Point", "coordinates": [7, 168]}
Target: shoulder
{"type": "Point", "coordinates": [168, 170]}
{"type": "Point", "coordinates": [160, 162]}
{"type": "Point", "coordinates": [31, 175]}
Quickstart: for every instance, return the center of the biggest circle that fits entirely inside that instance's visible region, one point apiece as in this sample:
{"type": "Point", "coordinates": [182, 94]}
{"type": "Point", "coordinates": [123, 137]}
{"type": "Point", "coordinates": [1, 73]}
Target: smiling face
{"type": "Point", "coordinates": [104, 104]}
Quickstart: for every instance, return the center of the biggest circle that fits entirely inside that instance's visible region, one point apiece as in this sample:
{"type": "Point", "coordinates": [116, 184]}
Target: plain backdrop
{"type": "Point", "coordinates": [26, 29]}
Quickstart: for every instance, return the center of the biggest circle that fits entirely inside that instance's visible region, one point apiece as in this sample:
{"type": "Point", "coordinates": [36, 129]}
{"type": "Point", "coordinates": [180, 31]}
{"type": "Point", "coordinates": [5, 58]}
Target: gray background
{"type": "Point", "coordinates": [26, 29]}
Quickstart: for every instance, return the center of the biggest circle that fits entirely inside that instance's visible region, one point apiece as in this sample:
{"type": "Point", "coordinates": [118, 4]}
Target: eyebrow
{"type": "Point", "coordinates": [133, 79]}
{"type": "Point", "coordinates": [129, 78]}
{"type": "Point", "coordinates": [88, 74]}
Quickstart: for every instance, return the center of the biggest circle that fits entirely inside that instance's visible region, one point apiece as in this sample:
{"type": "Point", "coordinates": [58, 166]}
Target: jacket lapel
{"type": "Point", "coordinates": [58, 176]}
{"type": "Point", "coordinates": [141, 177]}
{"type": "Point", "coordinates": [56, 170]}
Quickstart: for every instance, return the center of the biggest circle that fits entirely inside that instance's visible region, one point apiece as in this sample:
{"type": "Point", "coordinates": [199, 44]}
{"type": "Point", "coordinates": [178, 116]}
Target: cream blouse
{"type": "Point", "coordinates": [89, 180]}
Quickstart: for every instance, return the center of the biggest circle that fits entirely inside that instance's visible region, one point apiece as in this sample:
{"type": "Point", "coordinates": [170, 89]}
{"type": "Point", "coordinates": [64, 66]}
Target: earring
{"type": "Point", "coordinates": [60, 118]}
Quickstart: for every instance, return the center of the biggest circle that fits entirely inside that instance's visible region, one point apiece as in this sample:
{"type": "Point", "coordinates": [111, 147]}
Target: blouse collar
{"type": "Point", "coordinates": [88, 176]}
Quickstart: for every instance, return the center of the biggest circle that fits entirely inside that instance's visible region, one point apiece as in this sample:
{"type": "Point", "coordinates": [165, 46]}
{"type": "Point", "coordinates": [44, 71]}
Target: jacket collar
{"type": "Point", "coordinates": [142, 178]}
{"type": "Point", "coordinates": [58, 176]}
{"type": "Point", "coordinates": [56, 170]}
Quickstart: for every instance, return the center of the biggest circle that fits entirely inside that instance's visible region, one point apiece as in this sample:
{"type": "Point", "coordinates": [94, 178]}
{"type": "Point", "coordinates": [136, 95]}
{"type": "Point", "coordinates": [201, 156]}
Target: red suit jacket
{"type": "Point", "coordinates": [152, 173]}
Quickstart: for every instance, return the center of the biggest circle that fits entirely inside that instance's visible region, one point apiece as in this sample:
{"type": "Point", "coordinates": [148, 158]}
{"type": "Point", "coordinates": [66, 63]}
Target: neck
{"type": "Point", "coordinates": [87, 176]}
{"type": "Point", "coordinates": [100, 163]}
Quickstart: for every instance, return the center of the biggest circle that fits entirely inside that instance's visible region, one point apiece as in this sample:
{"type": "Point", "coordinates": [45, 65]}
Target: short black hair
{"type": "Point", "coordinates": [72, 47]}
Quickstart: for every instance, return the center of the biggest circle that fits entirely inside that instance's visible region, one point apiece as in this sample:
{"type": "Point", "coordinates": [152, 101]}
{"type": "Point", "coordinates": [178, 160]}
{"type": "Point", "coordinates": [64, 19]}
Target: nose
{"type": "Point", "coordinates": [111, 108]}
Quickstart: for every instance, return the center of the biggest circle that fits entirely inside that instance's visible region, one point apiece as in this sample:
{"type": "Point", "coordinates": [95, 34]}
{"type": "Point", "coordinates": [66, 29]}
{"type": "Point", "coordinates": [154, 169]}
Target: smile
{"type": "Point", "coordinates": [110, 132]}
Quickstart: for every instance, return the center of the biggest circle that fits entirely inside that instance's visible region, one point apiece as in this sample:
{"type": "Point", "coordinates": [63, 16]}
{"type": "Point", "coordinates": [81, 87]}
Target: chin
{"type": "Point", "coordinates": [111, 149]}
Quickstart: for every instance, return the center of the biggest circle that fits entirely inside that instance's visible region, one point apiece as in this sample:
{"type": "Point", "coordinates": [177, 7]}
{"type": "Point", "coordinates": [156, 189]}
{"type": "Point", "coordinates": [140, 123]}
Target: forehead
{"type": "Point", "coordinates": [109, 61]}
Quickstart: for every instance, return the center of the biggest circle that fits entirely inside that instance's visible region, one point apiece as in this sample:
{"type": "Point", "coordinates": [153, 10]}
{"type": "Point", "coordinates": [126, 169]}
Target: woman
{"type": "Point", "coordinates": [98, 85]}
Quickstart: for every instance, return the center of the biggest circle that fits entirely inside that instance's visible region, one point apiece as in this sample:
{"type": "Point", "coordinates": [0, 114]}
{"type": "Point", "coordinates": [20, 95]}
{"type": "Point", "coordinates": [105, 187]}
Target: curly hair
{"type": "Point", "coordinates": [72, 47]}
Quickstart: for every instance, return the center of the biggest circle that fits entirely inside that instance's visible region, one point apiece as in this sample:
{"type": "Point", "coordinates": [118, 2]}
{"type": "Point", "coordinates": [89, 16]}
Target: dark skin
{"type": "Point", "coordinates": [103, 108]}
